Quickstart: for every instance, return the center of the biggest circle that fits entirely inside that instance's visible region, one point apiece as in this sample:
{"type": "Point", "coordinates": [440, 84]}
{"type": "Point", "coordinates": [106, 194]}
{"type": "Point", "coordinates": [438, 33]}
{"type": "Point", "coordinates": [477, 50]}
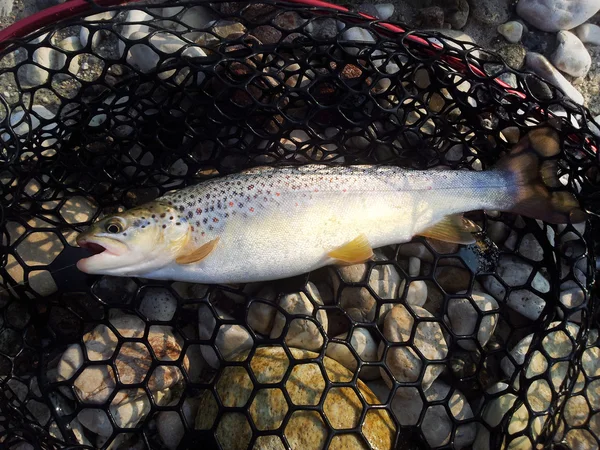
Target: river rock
{"type": "Point", "coordinates": [417, 293]}
{"type": "Point", "coordinates": [512, 31]}
{"type": "Point", "coordinates": [358, 302]}
{"type": "Point", "coordinates": [305, 386]}
{"type": "Point", "coordinates": [364, 345]}
{"type": "Point", "coordinates": [514, 55]}
{"type": "Point", "coordinates": [261, 312]}
{"type": "Point", "coordinates": [463, 319]}
{"type": "Point", "coordinates": [556, 343]}
{"type": "Point", "coordinates": [544, 69]}
{"type": "Point", "coordinates": [556, 15]}
{"type": "Point", "coordinates": [515, 272]}
{"type": "Point", "coordinates": [382, 11]}
{"type": "Point", "coordinates": [158, 304]}
{"type": "Point", "coordinates": [491, 12]}
{"type": "Point", "coordinates": [402, 361]}
{"type": "Point", "coordinates": [588, 33]}
{"type": "Point", "coordinates": [231, 338]}
{"type": "Point", "coordinates": [437, 427]}
{"type": "Point", "coordinates": [302, 333]}
{"type": "Point", "coordinates": [571, 56]}
{"type": "Point", "coordinates": [170, 427]}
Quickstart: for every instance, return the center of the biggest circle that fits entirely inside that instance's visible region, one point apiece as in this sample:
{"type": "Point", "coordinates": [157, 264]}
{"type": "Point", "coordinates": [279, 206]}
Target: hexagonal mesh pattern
{"type": "Point", "coordinates": [429, 345]}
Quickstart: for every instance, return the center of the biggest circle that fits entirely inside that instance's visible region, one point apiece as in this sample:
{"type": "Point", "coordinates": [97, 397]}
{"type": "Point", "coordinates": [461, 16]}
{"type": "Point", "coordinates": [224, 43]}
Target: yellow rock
{"type": "Point", "coordinates": [305, 386]}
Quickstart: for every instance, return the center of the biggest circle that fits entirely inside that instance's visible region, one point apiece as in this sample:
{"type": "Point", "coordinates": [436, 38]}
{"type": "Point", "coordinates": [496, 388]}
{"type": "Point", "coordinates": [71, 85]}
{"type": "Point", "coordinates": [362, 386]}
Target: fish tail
{"type": "Point", "coordinates": [539, 193]}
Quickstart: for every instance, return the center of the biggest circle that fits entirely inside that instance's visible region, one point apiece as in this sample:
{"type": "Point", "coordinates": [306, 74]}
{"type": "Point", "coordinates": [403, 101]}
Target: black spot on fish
{"type": "Point", "coordinates": [190, 214]}
{"type": "Point", "coordinates": [177, 223]}
{"type": "Point", "coordinates": [164, 226]}
{"type": "Point", "coordinates": [171, 218]}
{"type": "Point", "coordinates": [205, 220]}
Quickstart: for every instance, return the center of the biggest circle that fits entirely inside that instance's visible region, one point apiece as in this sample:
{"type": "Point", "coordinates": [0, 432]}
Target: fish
{"type": "Point", "coordinates": [269, 223]}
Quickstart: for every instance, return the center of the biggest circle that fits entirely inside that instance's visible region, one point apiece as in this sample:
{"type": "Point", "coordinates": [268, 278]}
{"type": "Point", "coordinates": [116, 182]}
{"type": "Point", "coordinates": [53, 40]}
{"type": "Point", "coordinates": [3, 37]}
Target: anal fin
{"type": "Point", "coordinates": [356, 251]}
{"type": "Point", "coordinates": [454, 228]}
{"type": "Point", "coordinates": [197, 254]}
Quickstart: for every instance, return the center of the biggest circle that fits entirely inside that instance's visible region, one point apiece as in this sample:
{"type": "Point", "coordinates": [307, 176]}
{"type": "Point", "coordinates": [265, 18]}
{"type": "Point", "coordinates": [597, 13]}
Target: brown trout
{"type": "Point", "coordinates": [272, 223]}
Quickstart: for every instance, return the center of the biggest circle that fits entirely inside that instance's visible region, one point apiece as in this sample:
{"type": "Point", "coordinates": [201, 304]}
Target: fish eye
{"type": "Point", "coordinates": [114, 227]}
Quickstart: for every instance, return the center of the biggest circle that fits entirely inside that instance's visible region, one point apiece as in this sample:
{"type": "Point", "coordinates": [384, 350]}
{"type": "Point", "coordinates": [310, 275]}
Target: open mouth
{"type": "Point", "coordinates": [94, 248]}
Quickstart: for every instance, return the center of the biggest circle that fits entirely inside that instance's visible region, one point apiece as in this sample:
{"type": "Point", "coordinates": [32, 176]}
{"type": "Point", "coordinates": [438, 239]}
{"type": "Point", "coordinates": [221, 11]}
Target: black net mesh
{"type": "Point", "coordinates": [429, 345]}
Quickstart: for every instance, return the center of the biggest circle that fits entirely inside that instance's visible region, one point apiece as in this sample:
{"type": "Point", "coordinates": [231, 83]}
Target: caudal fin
{"type": "Point", "coordinates": [532, 161]}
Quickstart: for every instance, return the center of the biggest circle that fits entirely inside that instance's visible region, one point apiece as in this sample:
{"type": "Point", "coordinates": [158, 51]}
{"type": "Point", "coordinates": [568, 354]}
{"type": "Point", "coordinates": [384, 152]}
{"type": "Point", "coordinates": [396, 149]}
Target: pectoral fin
{"type": "Point", "coordinates": [354, 252]}
{"type": "Point", "coordinates": [197, 254]}
{"type": "Point", "coordinates": [454, 228]}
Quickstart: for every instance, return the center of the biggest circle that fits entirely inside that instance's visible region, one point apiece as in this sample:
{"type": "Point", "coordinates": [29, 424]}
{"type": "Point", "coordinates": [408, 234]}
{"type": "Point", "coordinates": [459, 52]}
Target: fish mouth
{"type": "Point", "coordinates": [103, 251]}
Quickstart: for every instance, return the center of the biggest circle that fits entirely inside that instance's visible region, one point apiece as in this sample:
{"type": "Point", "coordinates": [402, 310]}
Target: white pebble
{"type": "Point", "coordinates": [437, 426]}
{"type": "Point", "coordinates": [515, 272]}
{"type": "Point", "coordinates": [417, 293]}
{"type": "Point", "coordinates": [404, 364]}
{"type": "Point", "coordinates": [302, 333]}
{"type": "Point", "coordinates": [512, 31]}
{"type": "Point", "coordinates": [588, 33]}
{"type": "Point", "coordinates": [384, 10]}
{"type": "Point", "coordinates": [463, 319]}
{"type": "Point", "coordinates": [555, 15]}
{"type": "Point", "coordinates": [571, 56]}
{"type": "Point", "coordinates": [365, 347]}
{"type": "Point", "coordinates": [158, 304]}
{"type": "Point", "coordinates": [543, 68]}
{"type": "Point", "coordinates": [231, 339]}
{"type": "Point", "coordinates": [262, 311]}
{"type": "Point", "coordinates": [414, 266]}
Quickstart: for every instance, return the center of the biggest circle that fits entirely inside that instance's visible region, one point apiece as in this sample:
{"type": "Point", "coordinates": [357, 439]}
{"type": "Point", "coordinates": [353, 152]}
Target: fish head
{"type": "Point", "coordinates": [134, 242]}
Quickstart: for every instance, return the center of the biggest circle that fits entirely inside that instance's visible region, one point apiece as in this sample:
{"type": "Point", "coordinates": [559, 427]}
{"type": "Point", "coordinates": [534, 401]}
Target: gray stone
{"type": "Point", "coordinates": [571, 56]}
{"type": "Point", "coordinates": [512, 31]}
{"type": "Point", "coordinates": [555, 15]}
{"type": "Point", "coordinates": [403, 362]}
{"type": "Point", "coordinates": [463, 319]}
{"type": "Point", "coordinates": [457, 14]}
{"type": "Point", "coordinates": [543, 68]}
{"type": "Point", "coordinates": [364, 345]}
{"type": "Point", "coordinates": [491, 12]}
{"type": "Point", "coordinates": [588, 33]}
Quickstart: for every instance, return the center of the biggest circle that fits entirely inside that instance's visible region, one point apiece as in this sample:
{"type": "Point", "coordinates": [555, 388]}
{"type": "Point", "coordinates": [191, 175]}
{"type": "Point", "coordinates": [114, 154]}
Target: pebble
{"type": "Point", "coordinates": [358, 302]}
{"type": "Point", "coordinates": [491, 12]}
{"type": "Point", "coordinates": [302, 333]}
{"type": "Point", "coordinates": [261, 314]}
{"type": "Point", "coordinates": [382, 11]}
{"type": "Point", "coordinates": [555, 343]}
{"type": "Point", "coordinates": [463, 319]}
{"type": "Point", "coordinates": [158, 304]}
{"type": "Point", "coordinates": [431, 17]}
{"type": "Point", "coordinates": [170, 427]}
{"type": "Point", "coordinates": [514, 55]}
{"type": "Point", "coordinates": [231, 339]}
{"type": "Point", "coordinates": [589, 33]}
{"type": "Point", "coordinates": [493, 412]}
{"type": "Point", "coordinates": [437, 427]}
{"type": "Point", "coordinates": [556, 15]}
{"type": "Point", "coordinates": [571, 56]}
{"type": "Point", "coordinates": [544, 69]}
{"type": "Point", "coordinates": [457, 14]}
{"type": "Point", "coordinates": [402, 361]}
{"type": "Point", "coordinates": [305, 387]}
{"type": "Point", "coordinates": [512, 31]}
{"type": "Point", "coordinates": [515, 272]}
{"type": "Point", "coordinates": [417, 293]}
{"type": "Point", "coordinates": [362, 341]}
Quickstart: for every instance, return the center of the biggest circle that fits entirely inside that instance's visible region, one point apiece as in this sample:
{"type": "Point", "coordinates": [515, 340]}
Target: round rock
{"type": "Point", "coordinates": [589, 33]}
{"type": "Point", "coordinates": [364, 345]}
{"type": "Point", "coordinates": [514, 55]}
{"type": "Point", "coordinates": [403, 361]}
{"type": "Point", "coordinates": [556, 15]}
{"type": "Point", "coordinates": [491, 12]}
{"type": "Point", "coordinates": [571, 56]}
{"type": "Point", "coordinates": [512, 31]}
{"type": "Point", "coordinates": [302, 333]}
{"type": "Point", "coordinates": [463, 319]}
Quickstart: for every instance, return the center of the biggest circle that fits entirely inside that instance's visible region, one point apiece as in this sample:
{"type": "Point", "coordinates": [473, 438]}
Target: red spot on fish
{"type": "Point", "coordinates": [316, 190]}
{"type": "Point", "coordinates": [277, 194]}
{"type": "Point", "coordinates": [344, 190]}
{"type": "Point", "coordinates": [251, 209]}
{"type": "Point", "coordinates": [192, 228]}
{"type": "Point", "coordinates": [230, 203]}
{"type": "Point", "coordinates": [215, 220]}
{"type": "Point", "coordinates": [428, 188]}
{"type": "Point", "coordinates": [198, 210]}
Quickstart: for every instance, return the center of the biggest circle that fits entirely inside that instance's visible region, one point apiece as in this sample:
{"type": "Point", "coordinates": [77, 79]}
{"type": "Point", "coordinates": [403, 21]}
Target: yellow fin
{"type": "Point", "coordinates": [198, 254]}
{"type": "Point", "coordinates": [454, 228]}
{"type": "Point", "coordinates": [356, 251]}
